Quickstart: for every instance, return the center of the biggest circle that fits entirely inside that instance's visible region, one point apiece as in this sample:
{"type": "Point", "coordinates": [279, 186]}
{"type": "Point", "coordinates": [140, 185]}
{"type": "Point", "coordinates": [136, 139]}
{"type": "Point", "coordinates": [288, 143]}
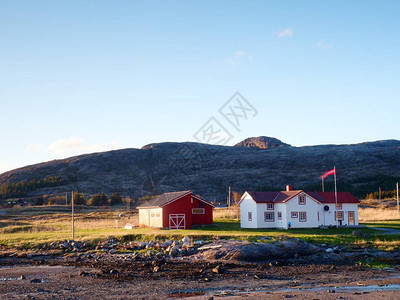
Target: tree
{"type": "Point", "coordinates": [236, 196]}
{"type": "Point", "coordinates": [79, 198]}
{"type": "Point", "coordinates": [115, 199]}
{"type": "Point", "coordinates": [98, 200]}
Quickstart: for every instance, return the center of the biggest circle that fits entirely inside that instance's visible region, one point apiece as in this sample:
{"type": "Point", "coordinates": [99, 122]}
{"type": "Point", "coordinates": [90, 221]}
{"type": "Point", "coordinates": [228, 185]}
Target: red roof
{"type": "Point", "coordinates": [284, 196]}
{"type": "Point", "coordinates": [329, 197]}
{"type": "Point", "coordinates": [167, 198]}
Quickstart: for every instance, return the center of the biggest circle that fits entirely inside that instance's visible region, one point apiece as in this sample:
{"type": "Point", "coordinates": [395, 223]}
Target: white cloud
{"type": "Point", "coordinates": [285, 32]}
{"type": "Point", "coordinates": [76, 145]}
{"type": "Point", "coordinates": [238, 56]}
{"type": "Point", "coordinates": [324, 46]}
{"type": "Point", "coordinates": [34, 147]}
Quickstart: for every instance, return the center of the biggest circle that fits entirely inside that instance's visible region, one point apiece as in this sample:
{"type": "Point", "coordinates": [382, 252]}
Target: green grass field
{"type": "Point", "coordinates": [33, 226]}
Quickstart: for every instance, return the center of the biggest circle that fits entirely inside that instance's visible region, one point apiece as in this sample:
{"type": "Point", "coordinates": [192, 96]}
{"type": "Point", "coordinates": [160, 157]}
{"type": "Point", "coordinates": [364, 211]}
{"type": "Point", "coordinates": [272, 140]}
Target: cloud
{"type": "Point", "coordinates": [285, 32]}
{"type": "Point", "coordinates": [76, 145]}
{"type": "Point", "coordinates": [34, 147]}
{"type": "Point", "coordinates": [238, 56]}
{"type": "Point", "coordinates": [324, 46]}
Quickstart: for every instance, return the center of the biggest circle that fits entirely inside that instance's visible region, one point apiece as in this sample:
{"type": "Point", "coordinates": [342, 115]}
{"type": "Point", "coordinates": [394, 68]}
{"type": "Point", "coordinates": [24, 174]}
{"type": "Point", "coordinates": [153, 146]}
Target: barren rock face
{"type": "Point", "coordinates": [262, 142]}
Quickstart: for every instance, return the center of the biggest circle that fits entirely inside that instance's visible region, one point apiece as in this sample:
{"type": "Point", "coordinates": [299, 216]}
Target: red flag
{"type": "Point", "coordinates": [331, 172]}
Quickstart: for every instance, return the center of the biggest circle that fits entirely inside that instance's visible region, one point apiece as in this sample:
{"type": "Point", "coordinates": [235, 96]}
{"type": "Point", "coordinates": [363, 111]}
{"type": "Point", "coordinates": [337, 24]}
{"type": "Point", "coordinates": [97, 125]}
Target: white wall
{"type": "Point", "coordinates": [315, 214]}
{"type": "Point", "coordinates": [151, 217]}
{"type": "Point", "coordinates": [248, 205]}
{"type": "Point", "coordinates": [312, 208]}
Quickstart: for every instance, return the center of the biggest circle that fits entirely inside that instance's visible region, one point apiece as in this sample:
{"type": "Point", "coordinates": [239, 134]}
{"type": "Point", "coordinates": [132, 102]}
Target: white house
{"type": "Point", "coordinates": [297, 209]}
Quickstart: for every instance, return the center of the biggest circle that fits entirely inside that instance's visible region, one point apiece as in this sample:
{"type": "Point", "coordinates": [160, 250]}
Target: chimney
{"type": "Point", "coordinates": [288, 188]}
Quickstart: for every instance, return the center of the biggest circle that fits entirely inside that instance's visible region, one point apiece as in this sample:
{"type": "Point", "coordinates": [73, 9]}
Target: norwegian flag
{"type": "Point", "coordinates": [330, 172]}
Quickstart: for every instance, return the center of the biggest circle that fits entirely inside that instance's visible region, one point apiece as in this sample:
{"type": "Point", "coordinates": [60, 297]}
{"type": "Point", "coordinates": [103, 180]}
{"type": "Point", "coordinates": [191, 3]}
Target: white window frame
{"type": "Point", "coordinates": [196, 211]}
{"type": "Point", "coordinates": [341, 212]}
{"type": "Point", "coordinates": [304, 218]}
{"type": "Point", "coordinates": [302, 199]}
{"type": "Point", "coordinates": [269, 213]}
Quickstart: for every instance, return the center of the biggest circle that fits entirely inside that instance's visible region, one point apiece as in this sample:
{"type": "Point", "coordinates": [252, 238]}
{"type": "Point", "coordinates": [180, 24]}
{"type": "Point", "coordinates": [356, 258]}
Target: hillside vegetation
{"type": "Point", "coordinates": [208, 170]}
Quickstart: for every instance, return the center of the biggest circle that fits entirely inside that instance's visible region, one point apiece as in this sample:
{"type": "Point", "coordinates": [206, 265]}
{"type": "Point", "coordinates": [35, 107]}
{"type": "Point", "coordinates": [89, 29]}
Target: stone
{"type": "Point", "coordinates": [331, 291]}
{"type": "Point", "coordinates": [114, 271]}
{"type": "Point", "coordinates": [186, 245]}
{"type": "Point", "coordinates": [329, 250]}
{"type": "Point", "coordinates": [186, 239]}
{"type": "Point", "coordinates": [22, 277]}
{"type": "Point", "coordinates": [156, 269]}
{"type": "Point", "coordinates": [218, 270]}
{"type": "Point", "coordinates": [356, 233]}
{"type": "Point", "coordinates": [36, 280]}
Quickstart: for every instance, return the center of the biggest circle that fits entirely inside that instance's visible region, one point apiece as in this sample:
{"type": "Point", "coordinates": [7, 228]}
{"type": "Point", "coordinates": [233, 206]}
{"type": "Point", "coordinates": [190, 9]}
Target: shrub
{"type": "Point", "coordinates": [115, 199]}
{"type": "Point", "coordinates": [99, 199]}
{"type": "Point", "coordinates": [79, 198]}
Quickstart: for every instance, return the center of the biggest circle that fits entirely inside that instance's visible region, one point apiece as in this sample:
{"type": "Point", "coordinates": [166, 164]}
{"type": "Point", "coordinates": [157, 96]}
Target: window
{"type": "Point", "coordinates": [152, 215]}
{"type": "Point", "coordinates": [339, 215]}
{"type": "Point", "coordinates": [294, 214]}
{"type": "Point", "coordinates": [249, 215]}
{"type": "Point", "coordinates": [279, 215]}
{"type": "Point", "coordinates": [198, 211]}
{"type": "Point", "coordinates": [269, 216]}
{"type": "Point", "coordinates": [338, 205]}
{"type": "Point", "coordinates": [302, 199]}
{"type": "Point", "coordinates": [158, 215]}
{"type": "Point", "coordinates": [302, 216]}
{"type": "Point", "coordinates": [270, 206]}
{"type": "Point", "coordinates": [201, 204]}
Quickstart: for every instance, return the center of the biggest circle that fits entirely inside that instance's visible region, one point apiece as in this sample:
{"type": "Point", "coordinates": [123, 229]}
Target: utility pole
{"type": "Point", "coordinates": [397, 189]}
{"type": "Point", "coordinates": [229, 197]}
{"type": "Point", "coordinates": [128, 203]}
{"type": "Point", "coordinates": [73, 225]}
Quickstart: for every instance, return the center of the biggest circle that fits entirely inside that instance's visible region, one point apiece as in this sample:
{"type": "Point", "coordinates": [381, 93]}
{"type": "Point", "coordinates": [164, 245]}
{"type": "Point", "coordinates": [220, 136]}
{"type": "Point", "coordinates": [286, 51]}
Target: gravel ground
{"type": "Point", "coordinates": [115, 277]}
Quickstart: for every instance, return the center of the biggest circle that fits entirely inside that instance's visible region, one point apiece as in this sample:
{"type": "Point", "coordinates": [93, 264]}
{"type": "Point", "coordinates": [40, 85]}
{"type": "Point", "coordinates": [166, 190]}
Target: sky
{"type": "Point", "coordinates": [86, 76]}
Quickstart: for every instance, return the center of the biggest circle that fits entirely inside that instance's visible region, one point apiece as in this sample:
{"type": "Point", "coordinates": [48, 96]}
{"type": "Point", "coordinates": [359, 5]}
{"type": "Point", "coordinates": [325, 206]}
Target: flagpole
{"type": "Point", "coordinates": [335, 186]}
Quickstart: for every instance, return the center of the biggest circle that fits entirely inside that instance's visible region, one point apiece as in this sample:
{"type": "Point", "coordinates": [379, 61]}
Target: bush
{"type": "Point", "coordinates": [79, 199]}
{"type": "Point", "coordinates": [99, 199]}
{"type": "Point", "coordinates": [115, 199]}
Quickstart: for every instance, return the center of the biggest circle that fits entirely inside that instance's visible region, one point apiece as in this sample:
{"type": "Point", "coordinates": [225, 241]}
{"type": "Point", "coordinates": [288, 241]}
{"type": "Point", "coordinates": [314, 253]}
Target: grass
{"type": "Point", "coordinates": [26, 226]}
{"type": "Point", "coordinates": [377, 214]}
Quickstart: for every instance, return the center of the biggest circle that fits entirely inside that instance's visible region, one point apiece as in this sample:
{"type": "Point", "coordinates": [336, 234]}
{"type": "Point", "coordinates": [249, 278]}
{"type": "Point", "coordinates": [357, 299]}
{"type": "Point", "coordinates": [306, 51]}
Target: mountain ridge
{"type": "Point", "coordinates": [210, 169]}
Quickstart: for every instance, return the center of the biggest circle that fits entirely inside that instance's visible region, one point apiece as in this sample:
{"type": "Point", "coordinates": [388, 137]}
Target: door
{"type": "Point", "coordinates": [177, 221]}
{"type": "Point", "coordinates": [351, 217]}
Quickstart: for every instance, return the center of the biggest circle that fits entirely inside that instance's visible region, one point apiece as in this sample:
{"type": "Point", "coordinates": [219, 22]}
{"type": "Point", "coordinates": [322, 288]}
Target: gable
{"type": "Point", "coordinates": [296, 198]}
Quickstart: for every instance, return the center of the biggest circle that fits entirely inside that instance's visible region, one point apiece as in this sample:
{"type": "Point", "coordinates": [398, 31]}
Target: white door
{"type": "Point", "coordinates": [177, 221]}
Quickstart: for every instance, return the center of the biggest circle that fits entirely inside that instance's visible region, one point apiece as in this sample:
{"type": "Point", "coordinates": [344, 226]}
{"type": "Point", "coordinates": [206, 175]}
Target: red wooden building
{"type": "Point", "coordinates": [177, 210]}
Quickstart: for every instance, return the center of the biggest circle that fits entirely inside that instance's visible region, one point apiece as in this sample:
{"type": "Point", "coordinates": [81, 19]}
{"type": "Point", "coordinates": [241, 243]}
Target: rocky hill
{"type": "Point", "coordinates": [209, 170]}
{"type": "Point", "coordinates": [262, 142]}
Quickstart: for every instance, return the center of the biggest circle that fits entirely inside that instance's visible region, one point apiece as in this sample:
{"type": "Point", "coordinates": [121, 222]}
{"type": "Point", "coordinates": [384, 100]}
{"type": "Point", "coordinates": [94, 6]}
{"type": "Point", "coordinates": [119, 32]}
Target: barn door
{"type": "Point", "coordinates": [177, 221]}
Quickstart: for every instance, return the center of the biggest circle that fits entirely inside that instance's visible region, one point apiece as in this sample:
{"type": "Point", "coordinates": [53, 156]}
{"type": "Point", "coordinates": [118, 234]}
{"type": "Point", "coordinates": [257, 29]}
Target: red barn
{"type": "Point", "coordinates": [177, 210]}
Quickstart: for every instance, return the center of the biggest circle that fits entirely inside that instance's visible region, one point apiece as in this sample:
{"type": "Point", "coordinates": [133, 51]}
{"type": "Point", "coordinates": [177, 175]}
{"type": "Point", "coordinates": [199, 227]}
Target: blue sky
{"type": "Point", "coordinates": [84, 76]}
